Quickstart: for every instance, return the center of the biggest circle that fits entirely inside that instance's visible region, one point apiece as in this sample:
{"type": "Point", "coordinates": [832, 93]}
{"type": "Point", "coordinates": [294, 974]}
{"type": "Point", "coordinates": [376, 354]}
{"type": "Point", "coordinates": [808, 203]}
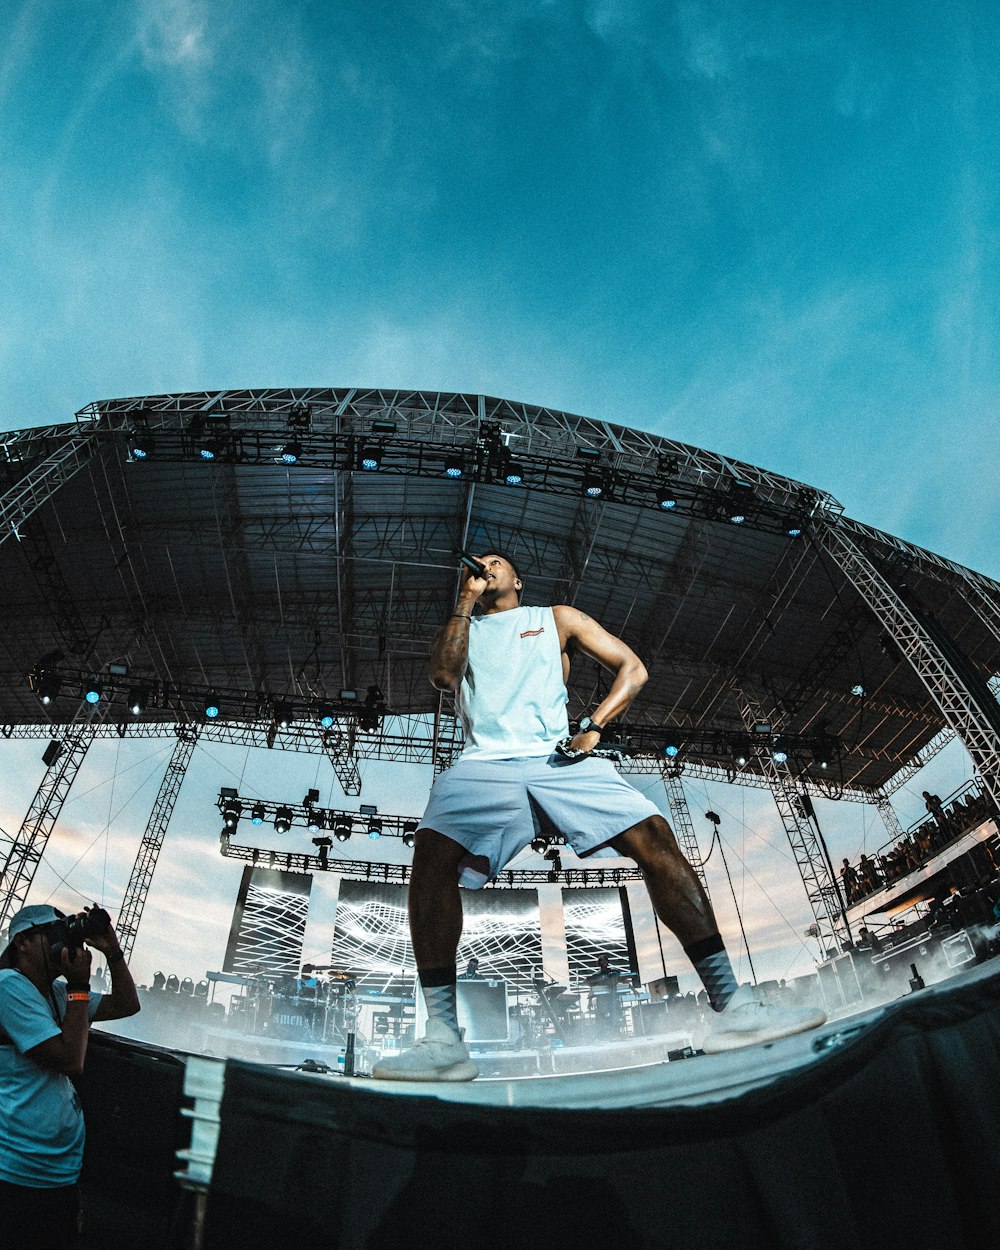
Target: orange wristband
{"type": "Point", "coordinates": [78, 997]}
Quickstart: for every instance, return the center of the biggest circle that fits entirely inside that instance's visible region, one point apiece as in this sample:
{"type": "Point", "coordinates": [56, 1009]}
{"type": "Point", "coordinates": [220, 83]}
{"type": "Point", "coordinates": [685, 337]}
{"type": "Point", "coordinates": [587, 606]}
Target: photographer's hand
{"type": "Point", "coordinates": [123, 999]}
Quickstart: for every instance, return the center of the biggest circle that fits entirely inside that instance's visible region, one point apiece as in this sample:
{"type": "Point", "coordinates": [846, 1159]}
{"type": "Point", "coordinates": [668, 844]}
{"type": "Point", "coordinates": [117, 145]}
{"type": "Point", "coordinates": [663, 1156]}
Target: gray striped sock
{"type": "Point", "coordinates": [440, 999]}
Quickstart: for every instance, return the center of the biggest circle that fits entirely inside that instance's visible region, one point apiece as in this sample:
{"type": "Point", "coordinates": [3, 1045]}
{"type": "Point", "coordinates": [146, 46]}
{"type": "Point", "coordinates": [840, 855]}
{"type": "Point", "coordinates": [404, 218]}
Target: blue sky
{"type": "Point", "coordinates": [767, 229]}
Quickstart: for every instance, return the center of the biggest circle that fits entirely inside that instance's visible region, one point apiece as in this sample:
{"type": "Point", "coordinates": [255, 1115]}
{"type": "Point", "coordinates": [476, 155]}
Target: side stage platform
{"type": "Point", "coordinates": [881, 1129]}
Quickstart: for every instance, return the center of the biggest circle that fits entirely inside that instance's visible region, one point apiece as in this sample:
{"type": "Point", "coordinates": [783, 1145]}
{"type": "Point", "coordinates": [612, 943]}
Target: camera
{"type": "Point", "coordinates": [70, 931]}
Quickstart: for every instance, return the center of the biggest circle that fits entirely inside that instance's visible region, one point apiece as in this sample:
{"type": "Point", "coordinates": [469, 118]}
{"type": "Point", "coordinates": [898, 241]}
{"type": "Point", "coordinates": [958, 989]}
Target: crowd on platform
{"type": "Point", "coordinates": [942, 826]}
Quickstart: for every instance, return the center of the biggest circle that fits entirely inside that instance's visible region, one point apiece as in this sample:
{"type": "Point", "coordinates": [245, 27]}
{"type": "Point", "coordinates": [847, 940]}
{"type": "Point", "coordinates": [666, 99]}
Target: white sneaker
{"type": "Point", "coordinates": [441, 1055]}
{"type": "Point", "coordinates": [749, 1018]}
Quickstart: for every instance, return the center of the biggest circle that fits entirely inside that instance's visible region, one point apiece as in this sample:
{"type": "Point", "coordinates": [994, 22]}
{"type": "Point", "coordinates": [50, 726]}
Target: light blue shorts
{"type": "Point", "coordinates": [495, 807]}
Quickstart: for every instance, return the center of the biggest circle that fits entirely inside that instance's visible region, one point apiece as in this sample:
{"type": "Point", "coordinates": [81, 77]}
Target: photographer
{"type": "Point", "coordinates": [44, 1025]}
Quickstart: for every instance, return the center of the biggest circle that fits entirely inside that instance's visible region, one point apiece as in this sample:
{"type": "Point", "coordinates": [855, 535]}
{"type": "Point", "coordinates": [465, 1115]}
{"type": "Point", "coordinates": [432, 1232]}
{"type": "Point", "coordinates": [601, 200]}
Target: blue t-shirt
{"type": "Point", "coordinates": [41, 1123]}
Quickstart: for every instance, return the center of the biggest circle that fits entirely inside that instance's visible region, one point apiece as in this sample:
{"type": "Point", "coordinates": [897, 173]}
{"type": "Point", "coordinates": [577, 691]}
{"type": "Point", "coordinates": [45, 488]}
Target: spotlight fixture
{"type": "Point", "coordinates": [374, 830]}
{"type": "Point", "coordinates": [539, 845]}
{"type": "Point", "coordinates": [666, 499]}
{"type": "Point", "coordinates": [138, 697]}
{"type": "Point", "coordinates": [257, 814]}
{"type": "Point", "coordinates": [738, 504]}
{"type": "Point", "coordinates": [141, 445]}
{"type": "Point", "coordinates": [232, 810]}
{"type": "Point", "coordinates": [315, 822]}
{"type": "Point", "coordinates": [370, 458]}
{"type": "Point", "coordinates": [779, 756]}
{"type": "Point", "coordinates": [311, 797]}
{"type": "Point", "coordinates": [291, 452]}
{"type": "Point", "coordinates": [454, 464]}
{"type": "Point", "coordinates": [211, 448]}
{"type": "Point", "coordinates": [324, 714]}
{"type": "Point", "coordinates": [593, 485]}
{"type": "Point", "coordinates": [342, 826]}
{"type": "Point", "coordinates": [858, 690]}
{"type": "Point", "coordinates": [794, 531]}
{"type": "Point", "coordinates": [514, 475]}
{"type": "Point", "coordinates": [283, 714]}
{"type": "Point", "coordinates": [92, 692]}
{"type": "Point", "coordinates": [282, 820]}
{"type": "Point", "coordinates": [212, 706]}
{"type": "Point", "coordinates": [672, 748]}
{"type": "Point", "coordinates": [46, 687]}
{"type": "Point", "coordinates": [409, 832]}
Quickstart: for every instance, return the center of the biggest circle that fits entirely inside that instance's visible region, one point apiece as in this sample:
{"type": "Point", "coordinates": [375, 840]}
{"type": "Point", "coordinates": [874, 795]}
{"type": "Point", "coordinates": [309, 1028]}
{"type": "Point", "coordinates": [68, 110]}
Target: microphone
{"type": "Point", "coordinates": [473, 565]}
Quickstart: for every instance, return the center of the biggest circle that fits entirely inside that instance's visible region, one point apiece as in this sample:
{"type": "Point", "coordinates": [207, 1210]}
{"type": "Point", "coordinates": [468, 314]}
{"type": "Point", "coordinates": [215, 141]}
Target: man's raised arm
{"type": "Point", "coordinates": [450, 648]}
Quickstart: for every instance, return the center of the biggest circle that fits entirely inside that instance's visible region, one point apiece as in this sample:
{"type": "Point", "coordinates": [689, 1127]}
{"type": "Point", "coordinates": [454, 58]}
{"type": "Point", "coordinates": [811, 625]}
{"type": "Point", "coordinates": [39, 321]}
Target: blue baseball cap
{"type": "Point", "coordinates": [32, 917]}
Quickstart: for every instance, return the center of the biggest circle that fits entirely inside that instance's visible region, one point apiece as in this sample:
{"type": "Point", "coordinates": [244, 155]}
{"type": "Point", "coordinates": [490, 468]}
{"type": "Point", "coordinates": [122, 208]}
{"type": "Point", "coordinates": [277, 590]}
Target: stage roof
{"type": "Point", "coordinates": [295, 581]}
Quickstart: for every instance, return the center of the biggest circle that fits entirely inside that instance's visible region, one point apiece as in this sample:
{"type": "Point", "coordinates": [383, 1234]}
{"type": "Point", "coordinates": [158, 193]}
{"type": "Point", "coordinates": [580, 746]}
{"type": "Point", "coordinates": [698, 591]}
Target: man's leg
{"type": "Point", "coordinates": [435, 929]}
{"type": "Point", "coordinates": [680, 901]}
{"type": "Point", "coordinates": [436, 920]}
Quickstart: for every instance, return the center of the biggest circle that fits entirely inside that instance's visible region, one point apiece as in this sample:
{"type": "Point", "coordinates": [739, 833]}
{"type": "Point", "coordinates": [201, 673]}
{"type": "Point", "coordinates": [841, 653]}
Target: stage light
{"type": "Point", "coordinates": [342, 826]}
{"type": "Point", "coordinates": [138, 697]}
{"type": "Point", "coordinates": [315, 823]}
{"type": "Point", "coordinates": [141, 446]}
{"type": "Point", "coordinates": [325, 714]}
{"type": "Point", "coordinates": [762, 727]}
{"type": "Point", "coordinates": [539, 845]}
{"type": "Point", "coordinates": [324, 849]}
{"type": "Point", "coordinates": [370, 458]}
{"type": "Point", "coordinates": [665, 499]}
{"type": "Point", "coordinates": [232, 810]}
{"type": "Point", "coordinates": [779, 756]}
{"type": "Point", "coordinates": [282, 820]}
{"type": "Point", "coordinates": [211, 448]}
{"type": "Point", "coordinates": [409, 832]}
{"type": "Point", "coordinates": [454, 464]}
{"type": "Point", "coordinates": [793, 531]}
{"type": "Point", "coordinates": [858, 690]}
{"type": "Point", "coordinates": [514, 475]}
{"type": "Point", "coordinates": [374, 830]}
{"type": "Point", "coordinates": [739, 759]}
{"type": "Point", "coordinates": [212, 706]}
{"type": "Point", "coordinates": [257, 814]}
{"type": "Point", "coordinates": [593, 484]}
{"type": "Point", "coordinates": [291, 452]}
{"type": "Point", "coordinates": [284, 714]}
{"type": "Point", "coordinates": [46, 687]}
{"type": "Point", "coordinates": [672, 748]}
{"type": "Point", "coordinates": [92, 692]}
{"type": "Point", "coordinates": [737, 519]}
{"type": "Point", "coordinates": [311, 797]}
{"type": "Point", "coordinates": [738, 504]}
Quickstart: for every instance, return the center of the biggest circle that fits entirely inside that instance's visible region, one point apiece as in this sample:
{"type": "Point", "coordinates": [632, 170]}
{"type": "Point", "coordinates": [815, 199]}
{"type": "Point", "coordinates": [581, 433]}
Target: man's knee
{"type": "Point", "coordinates": [650, 840]}
{"type": "Point", "coordinates": [435, 856]}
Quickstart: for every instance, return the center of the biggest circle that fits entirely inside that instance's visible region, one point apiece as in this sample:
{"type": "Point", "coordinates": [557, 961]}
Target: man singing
{"type": "Point", "coordinates": [508, 666]}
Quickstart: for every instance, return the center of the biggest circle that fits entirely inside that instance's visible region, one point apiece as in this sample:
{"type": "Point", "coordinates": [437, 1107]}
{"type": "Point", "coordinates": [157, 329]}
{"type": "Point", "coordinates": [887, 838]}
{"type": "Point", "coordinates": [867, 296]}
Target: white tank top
{"type": "Point", "coordinates": [512, 700]}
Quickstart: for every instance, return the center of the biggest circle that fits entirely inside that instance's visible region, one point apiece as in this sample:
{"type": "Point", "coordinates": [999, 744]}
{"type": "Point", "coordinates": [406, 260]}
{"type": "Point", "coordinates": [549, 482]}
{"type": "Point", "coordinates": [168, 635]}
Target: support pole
{"type": "Point", "coordinates": [23, 853]}
{"type": "Point", "coordinates": [152, 839]}
{"type": "Point", "coordinates": [680, 818]}
{"type": "Point", "coordinates": [963, 698]}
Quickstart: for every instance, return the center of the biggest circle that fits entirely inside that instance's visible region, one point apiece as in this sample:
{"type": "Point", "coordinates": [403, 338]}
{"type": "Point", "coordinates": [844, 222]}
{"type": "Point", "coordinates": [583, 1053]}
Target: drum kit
{"type": "Point", "coordinates": [306, 1008]}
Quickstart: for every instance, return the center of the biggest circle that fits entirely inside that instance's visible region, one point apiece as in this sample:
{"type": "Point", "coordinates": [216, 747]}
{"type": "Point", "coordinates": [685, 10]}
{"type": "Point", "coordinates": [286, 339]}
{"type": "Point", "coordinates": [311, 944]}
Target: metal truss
{"type": "Point", "coordinates": [338, 745]}
{"type": "Point", "coordinates": [152, 839]}
{"type": "Point", "coordinates": [263, 418]}
{"type": "Point", "coordinates": [23, 853]}
{"type": "Point", "coordinates": [410, 740]}
{"type": "Point", "coordinates": [511, 879]}
{"type": "Point", "coordinates": [71, 448]}
{"type": "Point", "coordinates": [975, 724]}
{"type": "Point", "coordinates": [683, 828]}
{"type": "Point", "coordinates": [928, 562]}
{"type": "Point", "coordinates": [811, 861]}
{"type": "Point", "coordinates": [923, 756]}
{"type": "Point", "coordinates": [889, 818]}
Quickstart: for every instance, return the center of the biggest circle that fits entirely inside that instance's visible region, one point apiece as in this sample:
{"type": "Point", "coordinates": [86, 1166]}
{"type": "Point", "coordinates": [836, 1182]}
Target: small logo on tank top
{"type": "Point", "coordinates": [533, 633]}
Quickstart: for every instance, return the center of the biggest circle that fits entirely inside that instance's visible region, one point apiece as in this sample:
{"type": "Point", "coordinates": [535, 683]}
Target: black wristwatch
{"type": "Point", "coordinates": [590, 726]}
